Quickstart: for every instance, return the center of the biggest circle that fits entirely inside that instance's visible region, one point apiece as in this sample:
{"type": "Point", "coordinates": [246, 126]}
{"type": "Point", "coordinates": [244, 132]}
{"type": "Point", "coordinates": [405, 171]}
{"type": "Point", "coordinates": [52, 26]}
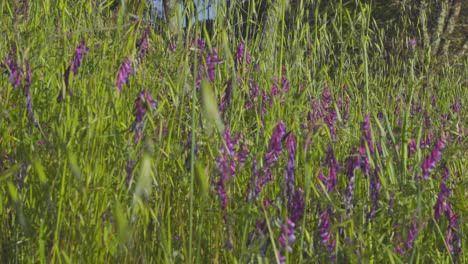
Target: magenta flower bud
{"type": "Point", "coordinates": [125, 70]}
{"type": "Point", "coordinates": [78, 57]}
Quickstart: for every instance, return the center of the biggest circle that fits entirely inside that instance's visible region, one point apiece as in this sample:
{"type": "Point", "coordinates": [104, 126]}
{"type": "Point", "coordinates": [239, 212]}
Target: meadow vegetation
{"type": "Point", "coordinates": [337, 134]}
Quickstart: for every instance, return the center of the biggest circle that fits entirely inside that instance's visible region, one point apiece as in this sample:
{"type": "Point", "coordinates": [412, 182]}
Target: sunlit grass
{"type": "Point", "coordinates": [78, 183]}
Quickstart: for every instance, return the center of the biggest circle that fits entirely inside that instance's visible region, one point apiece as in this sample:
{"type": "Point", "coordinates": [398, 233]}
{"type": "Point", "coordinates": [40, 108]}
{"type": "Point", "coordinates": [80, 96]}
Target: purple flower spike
{"type": "Point", "coordinates": [366, 133]}
{"type": "Point", "coordinates": [291, 146]}
{"type": "Point", "coordinates": [143, 44]}
{"type": "Point", "coordinates": [431, 161]}
{"type": "Point", "coordinates": [27, 92]}
{"type": "Point", "coordinates": [375, 186]}
{"type": "Point", "coordinates": [78, 57]}
{"type": "Point", "coordinates": [330, 120]}
{"type": "Point", "coordinates": [296, 206]}
{"type": "Point", "coordinates": [211, 61]}
{"type": "Point", "coordinates": [441, 203]}
{"type": "Point", "coordinates": [287, 236]}
{"type": "Point", "coordinates": [324, 230]}
{"type": "Point", "coordinates": [326, 97]}
{"type": "Point", "coordinates": [275, 148]}
{"type": "Point", "coordinates": [125, 70]}
{"type": "Point", "coordinates": [334, 168]}
{"type": "Point", "coordinates": [240, 54]}
{"type": "Point", "coordinates": [456, 107]}
{"type": "Point", "coordinates": [352, 163]}
{"type": "Point", "coordinates": [412, 233]}
{"type": "Point", "coordinates": [142, 104]}
{"type": "Point", "coordinates": [15, 74]}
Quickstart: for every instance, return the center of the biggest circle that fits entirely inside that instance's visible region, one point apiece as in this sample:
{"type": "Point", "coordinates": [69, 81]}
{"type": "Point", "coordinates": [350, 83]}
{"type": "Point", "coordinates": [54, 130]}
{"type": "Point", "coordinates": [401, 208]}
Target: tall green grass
{"type": "Point", "coordinates": [63, 190]}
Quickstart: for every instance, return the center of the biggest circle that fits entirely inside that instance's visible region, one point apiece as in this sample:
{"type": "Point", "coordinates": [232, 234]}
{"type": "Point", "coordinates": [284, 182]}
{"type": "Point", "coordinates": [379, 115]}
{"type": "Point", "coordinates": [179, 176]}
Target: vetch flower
{"type": "Point", "coordinates": [287, 236]}
{"type": "Point", "coordinates": [291, 147]}
{"type": "Point", "coordinates": [456, 106]}
{"type": "Point", "coordinates": [125, 70]}
{"type": "Point", "coordinates": [78, 57]}
{"type": "Point", "coordinates": [143, 103]}
{"type": "Point", "coordinates": [375, 186]}
{"type": "Point", "coordinates": [352, 163]}
{"type": "Point", "coordinates": [326, 97]}
{"type": "Point", "coordinates": [275, 148]}
{"type": "Point", "coordinates": [366, 133]}
{"type": "Point", "coordinates": [296, 206]}
{"type": "Point", "coordinates": [431, 161]}
{"type": "Point", "coordinates": [143, 44]}
{"type": "Point", "coordinates": [15, 74]}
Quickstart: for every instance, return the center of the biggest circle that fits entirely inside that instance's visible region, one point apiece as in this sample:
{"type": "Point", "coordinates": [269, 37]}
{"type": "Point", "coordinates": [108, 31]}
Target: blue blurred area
{"type": "Point", "coordinates": [206, 9]}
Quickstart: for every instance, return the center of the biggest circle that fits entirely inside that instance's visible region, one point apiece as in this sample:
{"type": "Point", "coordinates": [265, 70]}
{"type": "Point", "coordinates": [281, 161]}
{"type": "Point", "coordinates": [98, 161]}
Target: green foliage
{"type": "Point", "coordinates": [78, 186]}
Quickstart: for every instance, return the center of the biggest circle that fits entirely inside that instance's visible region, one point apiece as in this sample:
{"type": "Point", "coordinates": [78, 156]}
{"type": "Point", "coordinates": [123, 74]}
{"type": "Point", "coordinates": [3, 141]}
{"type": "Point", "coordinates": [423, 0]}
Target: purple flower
{"type": "Point", "coordinates": [366, 133]}
{"type": "Point", "coordinates": [275, 147]}
{"type": "Point", "coordinates": [27, 92]}
{"type": "Point", "coordinates": [364, 161]}
{"type": "Point", "coordinates": [129, 170]}
{"type": "Point", "coordinates": [291, 146]}
{"type": "Point", "coordinates": [452, 239]}
{"type": "Point", "coordinates": [326, 97]}
{"type": "Point", "coordinates": [287, 236]}
{"type": "Point", "coordinates": [412, 147]}
{"type": "Point", "coordinates": [330, 120]}
{"type": "Point", "coordinates": [334, 168]}
{"type": "Point", "coordinates": [352, 163]}
{"type": "Point", "coordinates": [441, 204]}
{"type": "Point", "coordinates": [242, 154]}
{"type": "Point", "coordinates": [431, 161]}
{"type": "Point", "coordinates": [427, 119]}
{"type": "Point", "coordinates": [142, 104]}
{"type": "Point", "coordinates": [324, 231]}
{"type": "Point", "coordinates": [15, 75]}
{"type": "Point", "coordinates": [426, 140]}
{"type": "Point", "coordinates": [456, 106]}
{"type": "Point", "coordinates": [240, 51]}
{"type": "Point", "coordinates": [143, 44]}
{"type": "Point", "coordinates": [296, 206]}
{"type": "Point", "coordinates": [78, 57]}
{"type": "Point", "coordinates": [412, 42]}
{"type": "Point", "coordinates": [201, 44]}
{"type": "Point", "coordinates": [172, 47]}
{"type": "Point", "coordinates": [125, 70]}
{"type": "Point", "coordinates": [226, 164]}
{"type": "Point", "coordinates": [284, 80]}
{"type": "Point", "coordinates": [433, 100]}
{"type": "Point", "coordinates": [411, 236]}
{"type": "Point", "coordinates": [211, 61]}
{"type": "Point", "coordinates": [375, 186]}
